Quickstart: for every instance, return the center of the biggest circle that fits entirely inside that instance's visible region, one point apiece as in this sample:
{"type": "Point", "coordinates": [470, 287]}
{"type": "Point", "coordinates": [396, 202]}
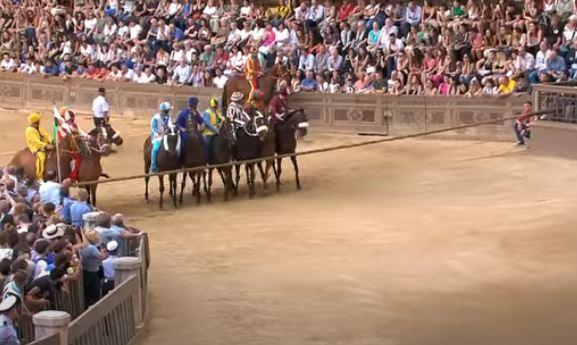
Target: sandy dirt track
{"type": "Point", "coordinates": [411, 242]}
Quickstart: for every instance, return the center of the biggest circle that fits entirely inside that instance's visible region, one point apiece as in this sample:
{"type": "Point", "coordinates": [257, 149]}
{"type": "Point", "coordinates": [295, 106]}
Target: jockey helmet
{"type": "Point", "coordinates": [192, 102]}
{"type": "Point", "coordinates": [34, 118]}
{"type": "Point", "coordinates": [165, 106]}
{"type": "Point", "coordinates": [213, 102]}
{"type": "Point", "coordinates": [236, 96]}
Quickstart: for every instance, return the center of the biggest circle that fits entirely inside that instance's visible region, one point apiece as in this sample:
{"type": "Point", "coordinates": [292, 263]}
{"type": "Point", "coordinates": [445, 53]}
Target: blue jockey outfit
{"type": "Point", "coordinates": [188, 118]}
{"type": "Point", "coordinates": [158, 125]}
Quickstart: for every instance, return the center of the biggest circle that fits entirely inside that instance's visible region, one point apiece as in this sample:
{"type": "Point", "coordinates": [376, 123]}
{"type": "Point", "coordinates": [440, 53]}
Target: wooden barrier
{"type": "Point", "coordinates": [350, 113]}
{"type": "Point", "coordinates": [110, 321]}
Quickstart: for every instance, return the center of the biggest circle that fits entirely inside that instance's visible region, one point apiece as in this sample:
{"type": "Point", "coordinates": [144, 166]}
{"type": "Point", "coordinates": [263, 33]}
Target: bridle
{"type": "Point", "coordinates": [257, 129]}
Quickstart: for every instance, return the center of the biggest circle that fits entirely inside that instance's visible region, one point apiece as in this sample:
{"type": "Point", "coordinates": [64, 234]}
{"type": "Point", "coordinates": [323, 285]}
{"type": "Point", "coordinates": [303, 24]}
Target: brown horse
{"type": "Point", "coordinates": [266, 84]}
{"type": "Point", "coordinates": [90, 169]}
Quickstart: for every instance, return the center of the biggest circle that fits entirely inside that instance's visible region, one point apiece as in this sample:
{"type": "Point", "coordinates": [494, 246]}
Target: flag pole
{"type": "Point", "coordinates": [55, 134]}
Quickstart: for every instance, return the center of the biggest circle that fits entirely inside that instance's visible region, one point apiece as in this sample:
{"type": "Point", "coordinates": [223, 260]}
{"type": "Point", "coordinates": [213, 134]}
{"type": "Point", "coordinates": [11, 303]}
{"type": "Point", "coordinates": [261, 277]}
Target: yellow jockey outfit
{"type": "Point", "coordinates": [252, 71]}
{"type": "Point", "coordinates": [212, 121]}
{"type": "Point", "coordinates": [38, 141]}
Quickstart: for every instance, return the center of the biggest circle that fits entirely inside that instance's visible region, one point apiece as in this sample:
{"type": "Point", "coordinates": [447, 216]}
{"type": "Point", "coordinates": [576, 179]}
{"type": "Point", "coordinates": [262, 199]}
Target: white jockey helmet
{"type": "Point", "coordinates": [236, 96]}
{"type": "Point", "coordinates": [165, 106]}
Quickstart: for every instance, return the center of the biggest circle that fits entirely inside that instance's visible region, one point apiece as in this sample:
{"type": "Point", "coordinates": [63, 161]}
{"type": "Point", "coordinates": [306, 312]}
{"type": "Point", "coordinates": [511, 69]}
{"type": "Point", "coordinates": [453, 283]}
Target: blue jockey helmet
{"type": "Point", "coordinates": [192, 102]}
{"type": "Point", "coordinates": [165, 106]}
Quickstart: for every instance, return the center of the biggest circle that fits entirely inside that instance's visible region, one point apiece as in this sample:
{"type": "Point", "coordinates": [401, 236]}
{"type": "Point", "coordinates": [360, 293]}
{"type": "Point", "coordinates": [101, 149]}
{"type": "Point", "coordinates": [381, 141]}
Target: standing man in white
{"type": "Point", "coordinates": [100, 111]}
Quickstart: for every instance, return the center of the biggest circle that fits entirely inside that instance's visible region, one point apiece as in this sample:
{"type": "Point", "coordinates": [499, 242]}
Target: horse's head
{"type": "Point", "coordinates": [298, 119]}
{"type": "Point", "coordinates": [257, 125]}
{"type": "Point", "coordinates": [227, 132]}
{"type": "Point", "coordinates": [171, 142]}
{"type": "Point", "coordinates": [112, 136]}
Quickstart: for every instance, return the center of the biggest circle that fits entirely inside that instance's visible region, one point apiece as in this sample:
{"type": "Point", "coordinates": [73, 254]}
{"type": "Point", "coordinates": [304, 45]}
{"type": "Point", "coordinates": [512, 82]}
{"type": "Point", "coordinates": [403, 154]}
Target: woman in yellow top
{"type": "Point", "coordinates": [38, 141]}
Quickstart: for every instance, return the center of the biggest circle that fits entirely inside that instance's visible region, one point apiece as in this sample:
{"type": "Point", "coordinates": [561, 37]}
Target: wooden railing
{"type": "Point", "coordinates": [53, 339]}
{"type": "Point", "coordinates": [351, 113]}
{"type": "Point", "coordinates": [110, 321]}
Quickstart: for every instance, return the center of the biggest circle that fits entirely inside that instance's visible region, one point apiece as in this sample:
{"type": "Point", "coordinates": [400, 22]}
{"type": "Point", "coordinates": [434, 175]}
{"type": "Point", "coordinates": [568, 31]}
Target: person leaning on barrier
{"type": "Point", "coordinates": [9, 313]}
{"type": "Point", "coordinates": [108, 267]}
{"type": "Point", "coordinates": [522, 124]}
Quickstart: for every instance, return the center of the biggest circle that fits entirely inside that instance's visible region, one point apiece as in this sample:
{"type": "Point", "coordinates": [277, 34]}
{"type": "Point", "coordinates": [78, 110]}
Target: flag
{"type": "Point", "coordinates": [57, 121]}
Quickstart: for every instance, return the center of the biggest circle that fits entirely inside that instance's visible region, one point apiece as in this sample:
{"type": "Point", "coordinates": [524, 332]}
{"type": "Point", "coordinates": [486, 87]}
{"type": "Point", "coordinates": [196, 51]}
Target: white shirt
{"type": "Point", "coordinates": [177, 55]}
{"type": "Point", "coordinates": [135, 31]}
{"type": "Point", "coordinates": [541, 60]}
{"type": "Point", "coordinates": [128, 75]}
{"type": "Point", "coordinates": [50, 192]}
{"type": "Point", "coordinates": [122, 31]}
{"type": "Point", "coordinates": [28, 68]}
{"type": "Point", "coordinates": [234, 35]}
{"type": "Point", "coordinates": [100, 107]}
{"type": "Point", "coordinates": [245, 11]}
{"type": "Point", "coordinates": [219, 81]}
{"type": "Point", "coordinates": [109, 30]}
{"type": "Point", "coordinates": [7, 64]}
{"type": "Point", "coordinates": [89, 24]}
{"type": "Point", "coordinates": [209, 10]}
{"type": "Point", "coordinates": [108, 267]}
{"type": "Point", "coordinates": [282, 37]}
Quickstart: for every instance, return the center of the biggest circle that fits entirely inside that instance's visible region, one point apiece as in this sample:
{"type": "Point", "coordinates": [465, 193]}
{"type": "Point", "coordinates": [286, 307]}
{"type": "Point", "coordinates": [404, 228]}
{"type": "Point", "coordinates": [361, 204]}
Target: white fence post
{"type": "Point", "coordinates": [126, 267]}
{"type": "Point", "coordinates": [49, 322]}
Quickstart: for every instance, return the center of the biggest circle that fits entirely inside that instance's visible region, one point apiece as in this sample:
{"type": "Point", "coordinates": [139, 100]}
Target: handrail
{"type": "Point", "coordinates": [53, 339]}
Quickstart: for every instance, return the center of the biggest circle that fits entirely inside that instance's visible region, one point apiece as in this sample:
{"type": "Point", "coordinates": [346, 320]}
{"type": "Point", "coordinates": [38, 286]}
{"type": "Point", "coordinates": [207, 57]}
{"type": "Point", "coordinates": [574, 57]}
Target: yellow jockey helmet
{"type": "Point", "coordinates": [34, 118]}
{"type": "Point", "coordinates": [213, 102]}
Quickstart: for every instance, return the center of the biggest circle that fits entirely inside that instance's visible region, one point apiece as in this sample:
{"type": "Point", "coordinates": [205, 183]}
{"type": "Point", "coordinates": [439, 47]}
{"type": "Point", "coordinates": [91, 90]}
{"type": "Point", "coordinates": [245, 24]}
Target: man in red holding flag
{"type": "Point", "coordinates": [67, 126]}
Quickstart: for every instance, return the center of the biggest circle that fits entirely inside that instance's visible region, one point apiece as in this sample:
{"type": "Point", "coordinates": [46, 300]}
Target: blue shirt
{"type": "Point", "coordinates": [8, 334]}
{"type": "Point", "coordinates": [178, 34]}
{"type": "Point", "coordinates": [308, 84]}
{"type": "Point", "coordinates": [108, 267]}
{"type": "Point", "coordinates": [77, 210]}
{"type": "Point", "coordinates": [557, 65]}
{"type": "Point", "coordinates": [90, 258]}
{"type": "Point", "coordinates": [50, 192]}
{"type": "Point", "coordinates": [65, 211]}
{"type": "Point", "coordinates": [158, 124]}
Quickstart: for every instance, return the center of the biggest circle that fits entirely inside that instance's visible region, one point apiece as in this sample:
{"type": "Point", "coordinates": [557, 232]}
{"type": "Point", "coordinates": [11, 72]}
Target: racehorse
{"type": "Point", "coordinates": [248, 146]}
{"type": "Point", "coordinates": [221, 153]}
{"type": "Point", "coordinates": [286, 132]}
{"type": "Point", "coordinates": [90, 169]}
{"type": "Point", "coordinates": [193, 156]}
{"type": "Point", "coordinates": [266, 84]}
{"type": "Point", "coordinates": [168, 158]}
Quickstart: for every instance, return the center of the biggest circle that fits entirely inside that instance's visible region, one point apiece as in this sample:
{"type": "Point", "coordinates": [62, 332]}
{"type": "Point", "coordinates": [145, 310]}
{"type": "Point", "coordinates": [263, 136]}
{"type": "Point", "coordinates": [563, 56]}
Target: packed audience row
{"type": "Point", "coordinates": [386, 46]}
{"type": "Point", "coordinates": [45, 244]}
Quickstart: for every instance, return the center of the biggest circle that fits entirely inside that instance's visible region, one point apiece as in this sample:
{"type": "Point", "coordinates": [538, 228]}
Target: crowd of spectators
{"type": "Point", "coordinates": [481, 47]}
{"type": "Point", "coordinates": [45, 244]}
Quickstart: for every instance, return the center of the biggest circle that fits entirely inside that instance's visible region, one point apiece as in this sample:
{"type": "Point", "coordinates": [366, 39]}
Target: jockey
{"type": "Point", "coordinates": [212, 119]}
{"type": "Point", "coordinates": [158, 125]}
{"type": "Point", "coordinates": [188, 118]}
{"type": "Point", "coordinates": [252, 70]}
{"type": "Point", "coordinates": [67, 126]}
{"type": "Point", "coordinates": [277, 108]}
{"type": "Point", "coordinates": [235, 111]}
{"type": "Point", "coordinates": [38, 141]}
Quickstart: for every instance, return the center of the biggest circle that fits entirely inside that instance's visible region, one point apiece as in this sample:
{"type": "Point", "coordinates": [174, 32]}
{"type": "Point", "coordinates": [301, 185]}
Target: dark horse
{"type": "Point", "coordinates": [248, 146]}
{"type": "Point", "coordinates": [167, 159]}
{"type": "Point", "coordinates": [283, 140]}
{"type": "Point", "coordinates": [221, 153]}
{"type": "Point", "coordinates": [193, 156]}
{"type": "Point", "coordinates": [92, 150]}
{"type": "Point", "coordinates": [295, 124]}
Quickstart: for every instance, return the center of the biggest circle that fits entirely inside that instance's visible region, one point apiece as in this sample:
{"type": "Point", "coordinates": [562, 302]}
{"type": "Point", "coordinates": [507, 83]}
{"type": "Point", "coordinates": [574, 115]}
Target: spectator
{"type": "Point", "coordinates": [50, 190]}
{"type": "Point", "coordinates": [108, 267]}
{"type": "Point", "coordinates": [309, 84]}
{"type": "Point", "coordinates": [91, 265]}
{"type": "Point", "coordinates": [522, 124]}
{"type": "Point", "coordinates": [79, 208]}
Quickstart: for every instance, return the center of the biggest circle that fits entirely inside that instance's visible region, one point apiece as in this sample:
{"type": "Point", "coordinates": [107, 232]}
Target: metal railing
{"type": "Point", "coordinates": [561, 99]}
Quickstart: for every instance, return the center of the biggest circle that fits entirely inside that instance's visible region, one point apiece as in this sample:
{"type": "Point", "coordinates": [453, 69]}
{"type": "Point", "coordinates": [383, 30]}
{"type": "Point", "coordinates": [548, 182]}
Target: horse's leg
{"type": "Point", "coordinates": [226, 179]}
{"type": "Point", "coordinates": [269, 164]}
{"type": "Point", "coordinates": [263, 175]}
{"type": "Point", "coordinates": [205, 186]}
{"type": "Point", "coordinates": [296, 167]}
{"type": "Point", "coordinates": [182, 186]}
{"type": "Point", "coordinates": [172, 178]}
{"type": "Point", "coordinates": [278, 172]}
{"type": "Point", "coordinates": [93, 193]}
{"type": "Point", "coordinates": [161, 189]}
{"type": "Point", "coordinates": [197, 175]}
{"type": "Point", "coordinates": [228, 174]}
{"type": "Point", "coordinates": [253, 178]}
{"type": "Point", "coordinates": [248, 181]}
{"type": "Point", "coordinates": [146, 179]}
{"type": "Point", "coordinates": [237, 179]}
{"type": "Point", "coordinates": [208, 186]}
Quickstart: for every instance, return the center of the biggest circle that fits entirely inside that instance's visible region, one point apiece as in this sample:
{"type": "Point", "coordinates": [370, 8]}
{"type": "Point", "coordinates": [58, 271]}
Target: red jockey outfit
{"type": "Point", "coordinates": [252, 71]}
{"type": "Point", "coordinates": [277, 108]}
{"type": "Point", "coordinates": [67, 126]}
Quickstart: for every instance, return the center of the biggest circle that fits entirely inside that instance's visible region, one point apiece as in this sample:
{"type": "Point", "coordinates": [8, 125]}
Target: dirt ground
{"type": "Point", "coordinates": [410, 242]}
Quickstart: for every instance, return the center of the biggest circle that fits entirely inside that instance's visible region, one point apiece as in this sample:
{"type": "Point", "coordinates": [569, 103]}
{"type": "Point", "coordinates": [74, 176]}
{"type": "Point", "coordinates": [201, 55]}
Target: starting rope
{"type": "Point", "coordinates": [308, 152]}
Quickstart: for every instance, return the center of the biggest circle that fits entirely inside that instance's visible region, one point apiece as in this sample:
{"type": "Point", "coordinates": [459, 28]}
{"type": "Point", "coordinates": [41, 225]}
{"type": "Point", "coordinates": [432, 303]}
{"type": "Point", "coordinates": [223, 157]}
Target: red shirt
{"type": "Point", "coordinates": [345, 11]}
{"type": "Point", "coordinates": [525, 117]}
{"type": "Point", "coordinates": [277, 105]}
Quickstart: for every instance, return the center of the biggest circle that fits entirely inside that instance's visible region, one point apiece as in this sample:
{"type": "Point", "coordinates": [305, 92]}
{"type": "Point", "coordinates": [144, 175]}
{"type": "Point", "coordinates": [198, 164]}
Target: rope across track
{"type": "Point", "coordinates": [309, 152]}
